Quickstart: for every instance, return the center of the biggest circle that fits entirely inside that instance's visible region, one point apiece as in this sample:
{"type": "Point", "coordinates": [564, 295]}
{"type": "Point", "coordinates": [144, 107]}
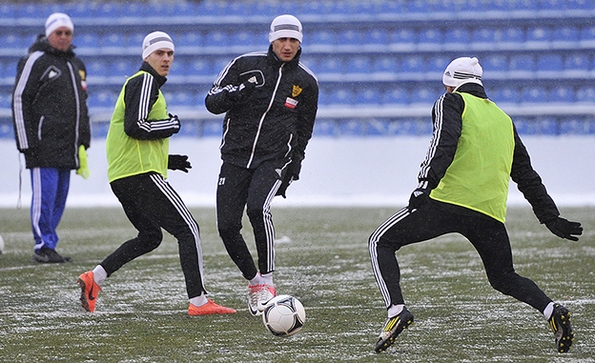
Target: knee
{"type": "Point", "coordinates": [503, 283]}
{"type": "Point", "coordinates": [255, 212]}
{"type": "Point", "coordinates": [151, 240]}
{"type": "Point", "coordinates": [228, 229]}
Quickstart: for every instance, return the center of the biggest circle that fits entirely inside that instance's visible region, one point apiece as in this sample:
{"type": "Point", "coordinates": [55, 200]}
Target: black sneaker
{"type": "Point", "coordinates": [392, 328]}
{"type": "Point", "coordinates": [48, 255]}
{"type": "Point", "coordinates": [560, 324]}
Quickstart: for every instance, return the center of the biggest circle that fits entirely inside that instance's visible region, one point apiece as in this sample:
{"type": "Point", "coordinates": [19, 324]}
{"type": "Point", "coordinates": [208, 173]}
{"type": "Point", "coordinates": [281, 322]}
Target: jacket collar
{"type": "Point", "coordinates": [147, 68]}
{"type": "Point", "coordinates": [474, 89]}
{"type": "Point", "coordinates": [41, 44]}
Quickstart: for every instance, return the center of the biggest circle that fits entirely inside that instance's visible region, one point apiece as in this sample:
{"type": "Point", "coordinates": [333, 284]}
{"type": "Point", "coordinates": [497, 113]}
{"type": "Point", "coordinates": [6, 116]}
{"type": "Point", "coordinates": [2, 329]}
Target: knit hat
{"type": "Point", "coordinates": [462, 70]}
{"type": "Point", "coordinates": [156, 40]}
{"type": "Point", "coordinates": [57, 20]}
{"type": "Point", "coordinates": [285, 26]}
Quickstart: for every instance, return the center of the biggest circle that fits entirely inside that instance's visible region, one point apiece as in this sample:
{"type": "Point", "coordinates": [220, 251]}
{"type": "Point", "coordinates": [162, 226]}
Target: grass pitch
{"type": "Point", "coordinates": [322, 259]}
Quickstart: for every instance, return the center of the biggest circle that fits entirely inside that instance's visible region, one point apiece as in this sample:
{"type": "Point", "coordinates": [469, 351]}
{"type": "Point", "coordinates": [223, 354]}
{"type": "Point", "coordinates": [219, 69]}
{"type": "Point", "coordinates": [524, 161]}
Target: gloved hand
{"type": "Point", "coordinates": [418, 198]}
{"type": "Point", "coordinates": [243, 91]}
{"type": "Point", "coordinates": [83, 169]}
{"type": "Point", "coordinates": [564, 228]}
{"type": "Point", "coordinates": [174, 118]}
{"type": "Point", "coordinates": [292, 173]}
{"type": "Point", "coordinates": [178, 162]}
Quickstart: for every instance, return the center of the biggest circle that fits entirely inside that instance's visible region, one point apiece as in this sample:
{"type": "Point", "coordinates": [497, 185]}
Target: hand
{"type": "Point", "coordinates": [174, 118]}
{"type": "Point", "coordinates": [418, 198]}
{"type": "Point", "coordinates": [178, 162]}
{"type": "Point", "coordinates": [242, 92]}
{"type": "Point", "coordinates": [564, 228]}
{"type": "Point", "coordinates": [292, 173]}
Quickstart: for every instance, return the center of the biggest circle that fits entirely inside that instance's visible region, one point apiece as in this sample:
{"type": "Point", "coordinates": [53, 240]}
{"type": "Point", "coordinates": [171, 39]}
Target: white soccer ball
{"type": "Point", "coordinates": [284, 315]}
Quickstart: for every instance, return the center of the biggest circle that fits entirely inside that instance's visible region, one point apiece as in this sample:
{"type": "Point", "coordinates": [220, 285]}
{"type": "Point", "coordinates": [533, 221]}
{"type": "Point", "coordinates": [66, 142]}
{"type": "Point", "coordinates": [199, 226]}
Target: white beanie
{"type": "Point", "coordinates": [57, 20]}
{"type": "Point", "coordinates": [462, 70]}
{"type": "Point", "coordinates": [285, 26]}
{"type": "Point", "coordinates": [156, 40]}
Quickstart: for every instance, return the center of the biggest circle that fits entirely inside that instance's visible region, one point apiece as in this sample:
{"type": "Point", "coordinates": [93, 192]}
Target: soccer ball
{"type": "Point", "coordinates": [284, 315]}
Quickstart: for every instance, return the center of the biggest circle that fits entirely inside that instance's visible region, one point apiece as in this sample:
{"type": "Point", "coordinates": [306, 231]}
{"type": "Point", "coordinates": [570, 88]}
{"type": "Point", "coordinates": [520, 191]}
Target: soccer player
{"type": "Point", "coordinates": [463, 186]}
{"type": "Point", "coordinates": [270, 100]}
{"type": "Point", "coordinates": [52, 128]}
{"type": "Point", "coordinates": [137, 148]}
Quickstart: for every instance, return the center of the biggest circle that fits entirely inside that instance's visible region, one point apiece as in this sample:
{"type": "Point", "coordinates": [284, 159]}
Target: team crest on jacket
{"type": "Point", "coordinates": [296, 91]}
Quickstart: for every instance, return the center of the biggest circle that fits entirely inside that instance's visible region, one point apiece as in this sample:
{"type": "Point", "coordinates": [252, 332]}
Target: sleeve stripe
{"type": "Point", "coordinates": [19, 117]}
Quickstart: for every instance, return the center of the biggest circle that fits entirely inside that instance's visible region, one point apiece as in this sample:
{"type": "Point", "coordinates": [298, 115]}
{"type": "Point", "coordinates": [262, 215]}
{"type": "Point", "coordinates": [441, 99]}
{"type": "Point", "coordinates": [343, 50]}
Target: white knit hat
{"type": "Point", "coordinates": [285, 26]}
{"type": "Point", "coordinates": [57, 20]}
{"type": "Point", "coordinates": [462, 70]}
{"type": "Point", "coordinates": [156, 40]}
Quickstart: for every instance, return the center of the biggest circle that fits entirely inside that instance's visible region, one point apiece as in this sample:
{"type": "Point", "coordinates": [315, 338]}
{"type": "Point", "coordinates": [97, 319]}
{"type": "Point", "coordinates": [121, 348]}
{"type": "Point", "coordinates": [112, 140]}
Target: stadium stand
{"type": "Point", "coordinates": [379, 62]}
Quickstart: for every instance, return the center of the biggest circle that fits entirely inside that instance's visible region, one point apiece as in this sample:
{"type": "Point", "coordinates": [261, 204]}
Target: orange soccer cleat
{"type": "Point", "coordinates": [210, 308]}
{"type": "Point", "coordinates": [89, 290]}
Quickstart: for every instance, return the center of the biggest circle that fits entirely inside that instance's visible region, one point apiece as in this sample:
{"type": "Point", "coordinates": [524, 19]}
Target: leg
{"type": "Point", "coordinates": [265, 182]}
{"type": "Point", "coordinates": [63, 186]}
{"type": "Point", "coordinates": [399, 230]}
{"type": "Point", "coordinates": [44, 184]}
{"type": "Point", "coordinates": [490, 239]}
{"type": "Point", "coordinates": [232, 193]}
{"type": "Point", "coordinates": [130, 192]}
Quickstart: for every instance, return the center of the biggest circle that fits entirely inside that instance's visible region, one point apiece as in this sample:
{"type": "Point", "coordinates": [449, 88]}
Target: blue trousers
{"type": "Point", "coordinates": [50, 189]}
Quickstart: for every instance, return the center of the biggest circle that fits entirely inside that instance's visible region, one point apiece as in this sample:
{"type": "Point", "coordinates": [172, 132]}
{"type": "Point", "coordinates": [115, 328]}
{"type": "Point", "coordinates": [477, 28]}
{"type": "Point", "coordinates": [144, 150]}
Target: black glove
{"type": "Point", "coordinates": [292, 173]}
{"type": "Point", "coordinates": [175, 120]}
{"type": "Point", "coordinates": [418, 198]}
{"type": "Point", "coordinates": [243, 91]}
{"type": "Point", "coordinates": [564, 228]}
{"type": "Point", "coordinates": [178, 162]}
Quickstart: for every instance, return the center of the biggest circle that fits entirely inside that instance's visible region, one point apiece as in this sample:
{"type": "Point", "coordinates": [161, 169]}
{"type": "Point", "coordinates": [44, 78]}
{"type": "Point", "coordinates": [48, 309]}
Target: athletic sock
{"type": "Point", "coordinates": [549, 309]}
{"type": "Point", "coordinates": [256, 280]}
{"type": "Point", "coordinates": [395, 310]}
{"type": "Point", "coordinates": [268, 279]}
{"type": "Point", "coordinates": [99, 274]}
{"type": "Point", "coordinates": [199, 300]}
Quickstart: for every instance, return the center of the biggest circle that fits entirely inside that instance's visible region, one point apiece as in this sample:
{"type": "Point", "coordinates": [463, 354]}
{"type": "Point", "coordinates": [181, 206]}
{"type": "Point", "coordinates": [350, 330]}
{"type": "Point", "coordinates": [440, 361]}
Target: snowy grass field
{"type": "Point", "coordinates": [322, 259]}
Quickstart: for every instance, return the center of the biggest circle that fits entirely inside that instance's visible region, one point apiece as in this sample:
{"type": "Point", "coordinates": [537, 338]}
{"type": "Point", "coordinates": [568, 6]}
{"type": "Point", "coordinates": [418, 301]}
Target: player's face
{"type": "Point", "coordinates": [286, 48]}
{"type": "Point", "coordinates": [161, 60]}
{"type": "Point", "coordinates": [61, 38]}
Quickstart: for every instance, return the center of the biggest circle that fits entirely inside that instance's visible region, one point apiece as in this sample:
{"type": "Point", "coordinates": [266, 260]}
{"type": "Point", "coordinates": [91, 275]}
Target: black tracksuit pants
{"type": "Point", "coordinates": [150, 203]}
{"type": "Point", "coordinates": [487, 235]}
{"type": "Point", "coordinates": [253, 189]}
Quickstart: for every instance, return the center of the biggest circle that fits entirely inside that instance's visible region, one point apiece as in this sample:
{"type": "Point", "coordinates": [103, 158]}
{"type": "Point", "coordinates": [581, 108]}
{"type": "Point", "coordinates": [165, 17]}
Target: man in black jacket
{"type": "Point", "coordinates": [270, 100]}
{"type": "Point", "coordinates": [51, 126]}
{"type": "Point", "coordinates": [463, 187]}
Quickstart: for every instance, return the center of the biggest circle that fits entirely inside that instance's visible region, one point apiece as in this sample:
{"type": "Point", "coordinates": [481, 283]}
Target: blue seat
{"type": "Point", "coordinates": [423, 95]}
{"type": "Point", "coordinates": [495, 63]}
{"type": "Point", "coordinates": [5, 99]}
{"type": "Point", "coordinates": [245, 37]}
{"type": "Point", "coordinates": [484, 36]}
{"type": "Point", "coordinates": [563, 94]}
{"type": "Point", "coordinates": [375, 37]}
{"type": "Point", "coordinates": [322, 37]}
{"type": "Point", "coordinates": [395, 96]}
{"type": "Point", "coordinates": [198, 66]}
{"type": "Point", "coordinates": [510, 37]}
{"type": "Point", "coordinates": [86, 40]}
{"type": "Point", "coordinates": [122, 68]}
{"type": "Point", "coordinates": [385, 63]}
{"type": "Point", "coordinates": [587, 37]}
{"type": "Point", "coordinates": [340, 96]}
{"type": "Point", "coordinates": [506, 94]}
{"type": "Point", "coordinates": [402, 36]}
{"type": "Point", "coordinates": [111, 40]}
{"type": "Point", "coordinates": [358, 64]}
{"type": "Point", "coordinates": [216, 38]}
{"type": "Point", "coordinates": [522, 63]}
{"type": "Point", "coordinates": [181, 98]}
{"type": "Point", "coordinates": [187, 39]}
{"type": "Point", "coordinates": [96, 67]}
{"type": "Point", "coordinates": [585, 94]}
{"type": "Point", "coordinates": [577, 61]}
{"type": "Point", "coordinates": [565, 36]}
{"type": "Point", "coordinates": [456, 37]}
{"type": "Point", "coordinates": [429, 37]}
{"type": "Point", "coordinates": [411, 66]}
{"type": "Point", "coordinates": [329, 64]}
{"type": "Point", "coordinates": [537, 36]}
{"type": "Point", "coordinates": [550, 62]}
{"type": "Point", "coordinates": [367, 96]}
{"type": "Point", "coordinates": [350, 37]}
{"type": "Point", "coordinates": [103, 98]}
{"type": "Point", "coordinates": [436, 64]}
{"type": "Point", "coordinates": [535, 94]}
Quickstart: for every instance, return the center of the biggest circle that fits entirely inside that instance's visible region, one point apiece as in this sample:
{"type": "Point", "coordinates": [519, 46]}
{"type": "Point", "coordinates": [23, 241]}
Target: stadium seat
{"type": "Point", "coordinates": [322, 37]}
{"type": "Point", "coordinates": [561, 94]}
{"type": "Point", "coordinates": [522, 65]}
{"type": "Point", "coordinates": [181, 98]}
{"type": "Point", "coordinates": [187, 39]}
{"type": "Point", "coordinates": [340, 95]}
{"type": "Point", "coordinates": [96, 67]}
{"type": "Point", "coordinates": [367, 96]}
{"type": "Point", "coordinates": [483, 37]}
{"type": "Point", "coordinates": [358, 64]}
{"type": "Point", "coordinates": [216, 38]}
{"type": "Point", "coordinates": [437, 64]}
{"type": "Point", "coordinates": [587, 37]}
{"type": "Point", "coordinates": [510, 38]}
{"type": "Point", "coordinates": [538, 37]}
{"type": "Point", "coordinates": [495, 66]}
{"type": "Point", "coordinates": [565, 36]}
{"type": "Point", "coordinates": [402, 37]}
{"type": "Point", "coordinates": [412, 67]}
{"type": "Point", "coordinates": [550, 62]}
{"type": "Point", "coordinates": [375, 37]}
{"type": "Point", "coordinates": [577, 64]}
{"type": "Point", "coordinates": [429, 39]}
{"type": "Point", "coordinates": [385, 63]}
{"type": "Point", "coordinates": [103, 98]}
{"type": "Point", "coordinates": [349, 37]}
{"type": "Point", "coordinates": [585, 94]}
{"type": "Point", "coordinates": [533, 94]}
{"type": "Point", "coordinates": [456, 38]}
{"type": "Point", "coordinates": [423, 95]}
{"type": "Point", "coordinates": [198, 66]}
{"type": "Point", "coordinates": [395, 96]}
{"type": "Point", "coordinates": [111, 40]}
{"type": "Point", "coordinates": [505, 94]}
{"type": "Point", "coordinates": [329, 64]}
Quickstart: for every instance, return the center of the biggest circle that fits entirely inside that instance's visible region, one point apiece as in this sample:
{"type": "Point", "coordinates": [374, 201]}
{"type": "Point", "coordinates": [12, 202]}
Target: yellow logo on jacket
{"type": "Point", "coordinates": [296, 91]}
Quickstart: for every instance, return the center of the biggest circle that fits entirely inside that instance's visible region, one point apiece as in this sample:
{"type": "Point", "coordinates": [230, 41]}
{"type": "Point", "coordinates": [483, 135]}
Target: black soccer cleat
{"type": "Point", "coordinates": [392, 328]}
{"type": "Point", "coordinates": [560, 325]}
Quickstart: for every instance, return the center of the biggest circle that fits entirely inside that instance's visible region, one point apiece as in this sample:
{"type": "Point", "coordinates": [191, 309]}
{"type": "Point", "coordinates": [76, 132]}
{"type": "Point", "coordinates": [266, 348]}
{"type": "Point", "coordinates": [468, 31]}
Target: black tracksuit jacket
{"type": "Point", "coordinates": [276, 121]}
{"type": "Point", "coordinates": [447, 130]}
{"type": "Point", "coordinates": [49, 107]}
